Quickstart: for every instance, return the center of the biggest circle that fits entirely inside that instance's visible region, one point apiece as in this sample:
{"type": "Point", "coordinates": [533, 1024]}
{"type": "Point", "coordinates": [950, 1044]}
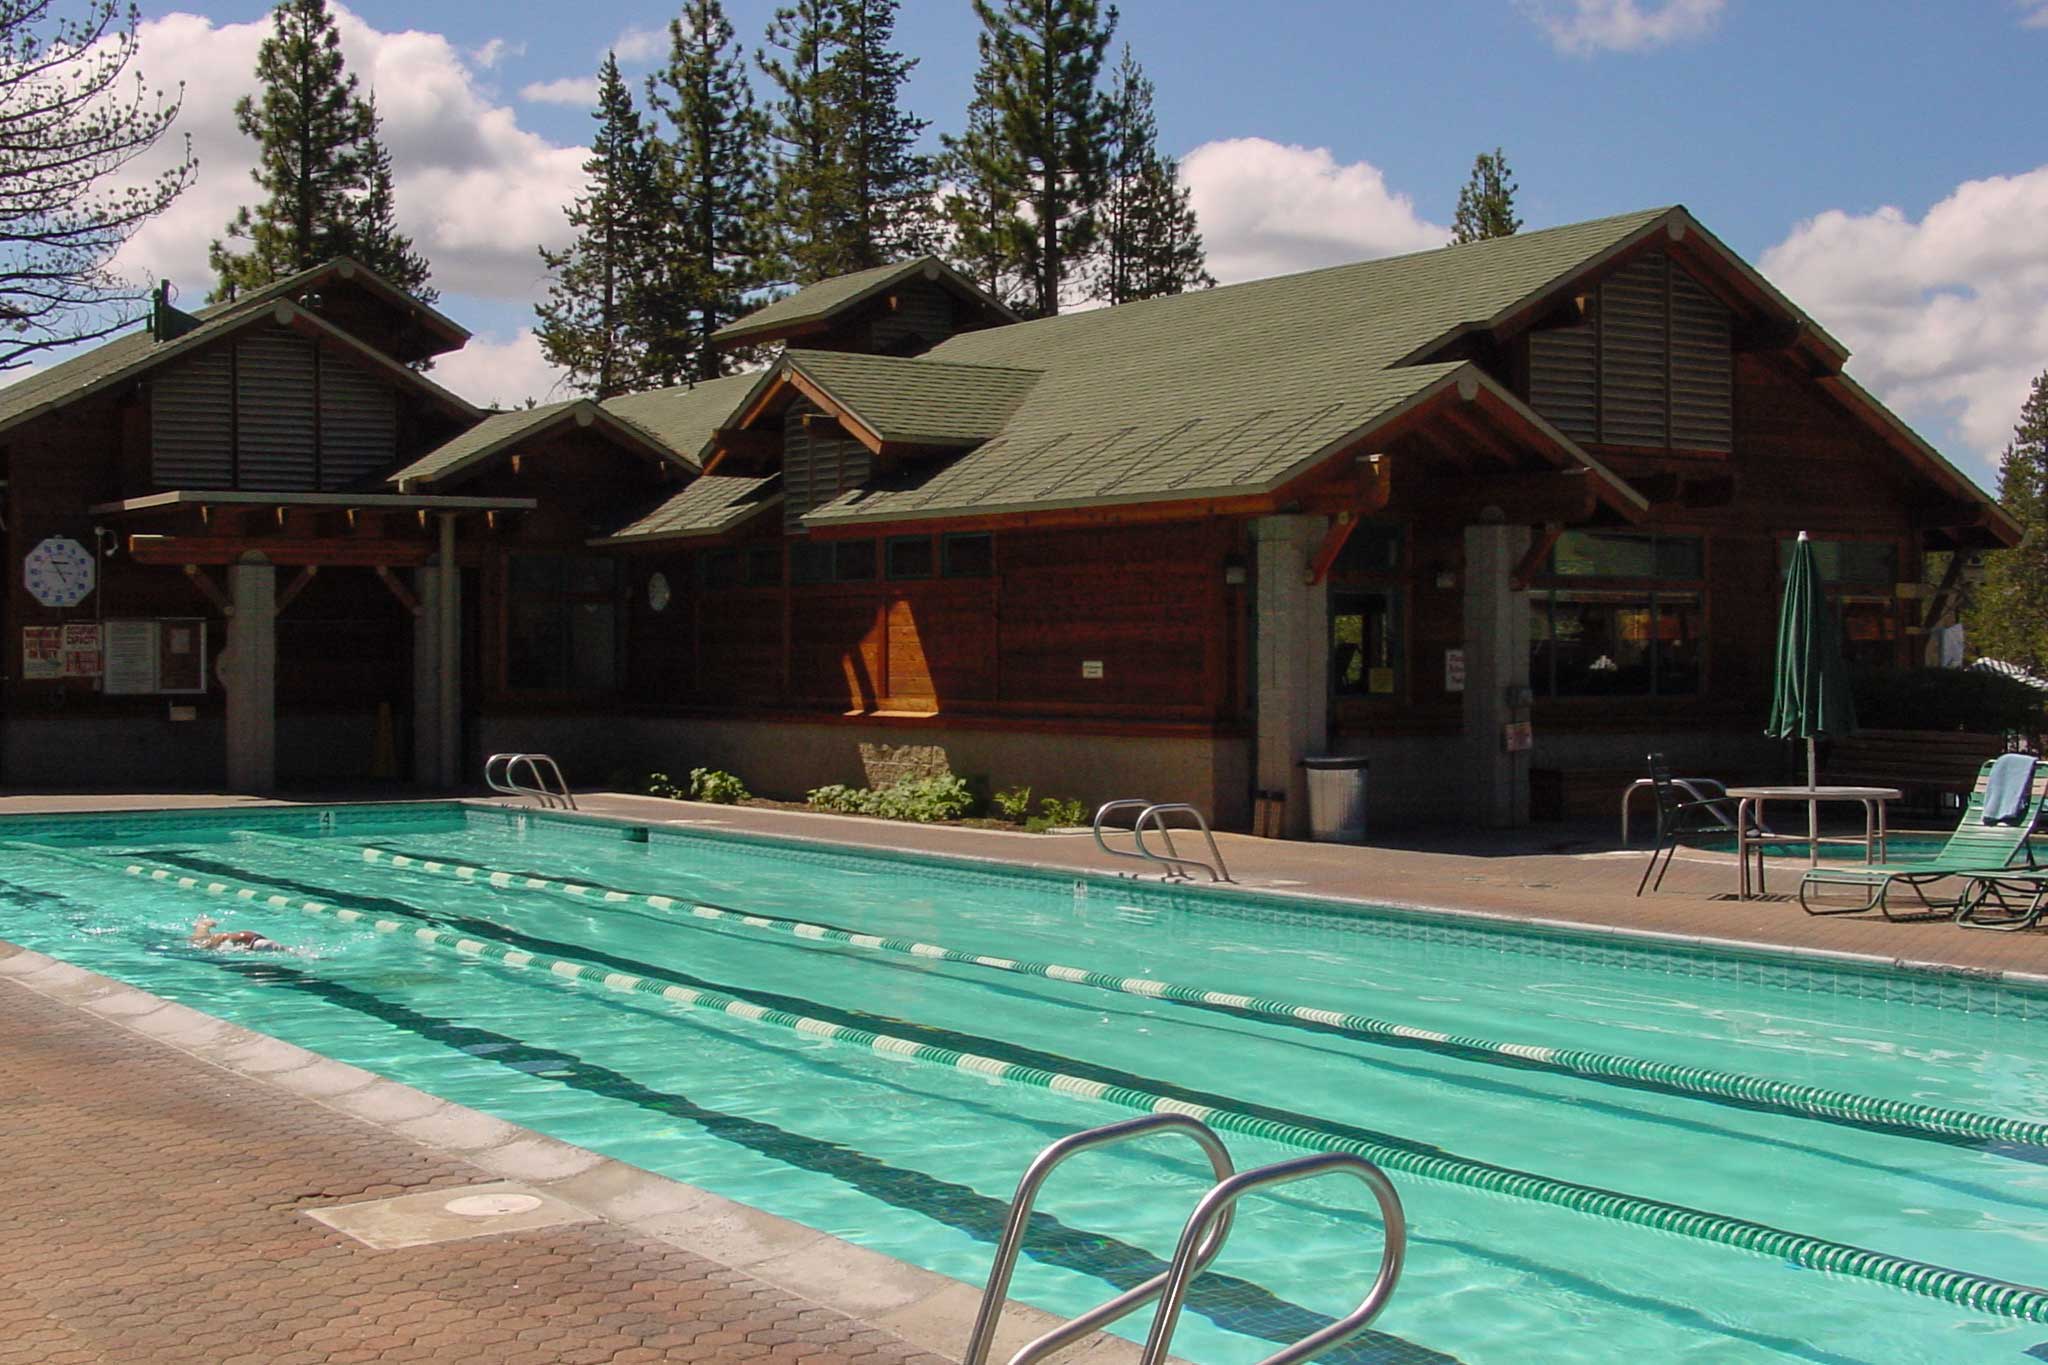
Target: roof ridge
{"type": "Point", "coordinates": [915, 360]}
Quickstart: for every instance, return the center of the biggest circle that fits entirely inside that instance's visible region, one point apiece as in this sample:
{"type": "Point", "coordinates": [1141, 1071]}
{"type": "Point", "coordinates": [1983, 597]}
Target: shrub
{"type": "Point", "coordinates": [1946, 699]}
{"type": "Point", "coordinates": [924, 800]}
{"type": "Point", "coordinates": [660, 784]}
{"type": "Point", "coordinates": [1060, 813]}
{"type": "Point", "coordinates": [1014, 804]}
{"type": "Point", "coordinates": [719, 788]}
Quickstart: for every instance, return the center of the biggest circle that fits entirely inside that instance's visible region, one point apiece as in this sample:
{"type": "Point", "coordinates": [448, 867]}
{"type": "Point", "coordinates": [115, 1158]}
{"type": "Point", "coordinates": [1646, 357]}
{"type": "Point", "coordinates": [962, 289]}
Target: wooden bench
{"type": "Point", "coordinates": [1927, 765]}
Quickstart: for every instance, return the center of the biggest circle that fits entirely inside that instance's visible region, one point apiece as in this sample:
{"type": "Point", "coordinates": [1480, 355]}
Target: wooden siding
{"type": "Point", "coordinates": [1634, 384]}
{"type": "Point", "coordinates": [276, 421]}
{"type": "Point", "coordinates": [921, 318]}
{"type": "Point", "coordinates": [192, 422]}
{"type": "Point", "coordinates": [358, 424]}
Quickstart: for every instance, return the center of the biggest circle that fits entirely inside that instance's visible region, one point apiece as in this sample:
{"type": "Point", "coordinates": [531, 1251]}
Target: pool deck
{"type": "Point", "coordinates": [165, 1167]}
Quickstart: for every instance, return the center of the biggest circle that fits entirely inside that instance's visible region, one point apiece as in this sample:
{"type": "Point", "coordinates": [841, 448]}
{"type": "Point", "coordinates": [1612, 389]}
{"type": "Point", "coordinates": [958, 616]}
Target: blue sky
{"type": "Point", "coordinates": [1881, 160]}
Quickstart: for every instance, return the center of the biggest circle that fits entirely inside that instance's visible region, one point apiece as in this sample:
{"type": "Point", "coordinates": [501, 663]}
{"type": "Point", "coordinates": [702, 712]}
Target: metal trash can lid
{"type": "Point", "coordinates": [1342, 762]}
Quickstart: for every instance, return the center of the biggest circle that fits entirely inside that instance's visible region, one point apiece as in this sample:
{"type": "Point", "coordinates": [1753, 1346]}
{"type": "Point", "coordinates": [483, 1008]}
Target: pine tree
{"type": "Point", "coordinates": [1150, 242]}
{"type": "Point", "coordinates": [2008, 614]}
{"type": "Point", "coordinates": [889, 182]}
{"type": "Point", "coordinates": [592, 323]}
{"type": "Point", "coordinates": [713, 162]}
{"type": "Point", "coordinates": [812, 197]}
{"type": "Point", "coordinates": [309, 128]}
{"type": "Point", "coordinates": [975, 210]}
{"type": "Point", "coordinates": [1042, 60]}
{"type": "Point", "coordinates": [1486, 205]}
{"type": "Point", "coordinates": [373, 236]}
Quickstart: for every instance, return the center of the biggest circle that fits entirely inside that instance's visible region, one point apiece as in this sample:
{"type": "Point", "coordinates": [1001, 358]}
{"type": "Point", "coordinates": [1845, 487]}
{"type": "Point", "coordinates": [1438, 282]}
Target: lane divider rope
{"type": "Point", "coordinates": [1962, 1288]}
{"type": "Point", "coordinates": [1700, 1082]}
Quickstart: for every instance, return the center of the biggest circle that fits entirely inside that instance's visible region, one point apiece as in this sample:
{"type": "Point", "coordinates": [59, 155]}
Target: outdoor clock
{"type": "Point", "coordinates": [657, 592]}
{"type": "Point", "coordinates": [59, 572]}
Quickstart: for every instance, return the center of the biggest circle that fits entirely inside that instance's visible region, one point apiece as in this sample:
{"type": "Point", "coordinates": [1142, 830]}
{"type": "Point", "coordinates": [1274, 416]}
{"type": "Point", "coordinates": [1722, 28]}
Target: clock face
{"type": "Point", "coordinates": [657, 592]}
{"type": "Point", "coordinates": [59, 572]}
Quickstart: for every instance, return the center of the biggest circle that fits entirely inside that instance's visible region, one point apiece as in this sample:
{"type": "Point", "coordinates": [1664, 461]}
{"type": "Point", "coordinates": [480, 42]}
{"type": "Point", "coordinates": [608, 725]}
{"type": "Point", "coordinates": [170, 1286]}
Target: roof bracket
{"type": "Point", "coordinates": [398, 589]}
{"type": "Point", "coordinates": [1532, 562]}
{"type": "Point", "coordinates": [210, 590]}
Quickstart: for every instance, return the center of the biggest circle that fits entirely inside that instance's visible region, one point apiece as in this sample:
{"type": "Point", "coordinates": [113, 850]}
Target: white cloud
{"type": "Point", "coordinates": [577, 90]}
{"type": "Point", "coordinates": [640, 45]}
{"type": "Point", "coordinates": [1584, 27]}
{"type": "Point", "coordinates": [2034, 13]}
{"type": "Point", "coordinates": [476, 191]}
{"type": "Point", "coordinates": [501, 373]}
{"type": "Point", "coordinates": [1268, 209]}
{"type": "Point", "coordinates": [495, 51]}
{"type": "Point", "coordinates": [1947, 316]}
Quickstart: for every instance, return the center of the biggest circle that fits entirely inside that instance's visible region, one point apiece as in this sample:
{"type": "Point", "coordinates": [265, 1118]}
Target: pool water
{"type": "Point", "coordinates": [917, 1158]}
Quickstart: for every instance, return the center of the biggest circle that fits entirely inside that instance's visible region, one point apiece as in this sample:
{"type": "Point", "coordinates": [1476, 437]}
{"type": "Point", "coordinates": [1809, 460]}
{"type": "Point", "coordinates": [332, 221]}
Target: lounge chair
{"type": "Point", "coordinates": [1973, 850]}
{"type": "Point", "coordinates": [2009, 900]}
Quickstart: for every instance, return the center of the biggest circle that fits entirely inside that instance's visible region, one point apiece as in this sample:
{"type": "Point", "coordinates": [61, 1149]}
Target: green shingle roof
{"type": "Point", "coordinates": [1229, 390]}
{"type": "Point", "coordinates": [711, 504]}
{"type": "Point", "coordinates": [683, 418]}
{"type": "Point", "coordinates": [915, 401]}
{"type": "Point", "coordinates": [493, 433]}
{"type": "Point", "coordinates": [818, 302]}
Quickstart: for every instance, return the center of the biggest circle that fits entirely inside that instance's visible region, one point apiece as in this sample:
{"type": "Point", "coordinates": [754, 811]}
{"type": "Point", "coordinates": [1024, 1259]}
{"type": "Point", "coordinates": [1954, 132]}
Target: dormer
{"type": "Point", "coordinates": [894, 310]}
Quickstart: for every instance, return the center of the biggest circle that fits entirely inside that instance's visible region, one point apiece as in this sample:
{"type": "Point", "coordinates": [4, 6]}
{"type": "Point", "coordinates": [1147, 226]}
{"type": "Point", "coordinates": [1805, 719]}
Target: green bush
{"type": "Point", "coordinates": [661, 784]}
{"type": "Point", "coordinates": [1014, 804]}
{"type": "Point", "coordinates": [924, 800]}
{"type": "Point", "coordinates": [1059, 814]}
{"type": "Point", "coordinates": [719, 788]}
{"type": "Point", "coordinates": [1945, 699]}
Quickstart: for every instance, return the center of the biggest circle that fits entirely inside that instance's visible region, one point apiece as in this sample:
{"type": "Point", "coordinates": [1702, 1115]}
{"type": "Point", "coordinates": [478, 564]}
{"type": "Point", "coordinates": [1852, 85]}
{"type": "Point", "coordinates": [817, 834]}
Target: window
{"type": "Point", "coordinates": [970, 556]}
{"type": "Point", "coordinates": [1623, 615]}
{"type": "Point", "coordinates": [910, 557]}
{"type": "Point", "coordinates": [1370, 551]}
{"type": "Point", "coordinates": [764, 566]}
{"type": "Point", "coordinates": [831, 561]}
{"type": "Point", "coordinates": [1365, 646]}
{"type": "Point", "coordinates": [561, 624]}
{"type": "Point", "coordinates": [1861, 578]}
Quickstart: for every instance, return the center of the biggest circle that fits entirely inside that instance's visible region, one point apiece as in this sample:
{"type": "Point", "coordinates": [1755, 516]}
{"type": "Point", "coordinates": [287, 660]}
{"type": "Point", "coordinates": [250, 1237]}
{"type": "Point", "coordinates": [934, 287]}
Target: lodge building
{"type": "Point", "coordinates": [1512, 505]}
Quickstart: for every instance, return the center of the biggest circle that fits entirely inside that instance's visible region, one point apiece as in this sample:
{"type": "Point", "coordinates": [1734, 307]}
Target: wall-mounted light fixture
{"type": "Point", "coordinates": [1234, 570]}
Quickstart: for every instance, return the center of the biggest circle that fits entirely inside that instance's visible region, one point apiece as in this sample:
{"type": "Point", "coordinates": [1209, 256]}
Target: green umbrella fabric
{"type": "Point", "coordinates": [1812, 696]}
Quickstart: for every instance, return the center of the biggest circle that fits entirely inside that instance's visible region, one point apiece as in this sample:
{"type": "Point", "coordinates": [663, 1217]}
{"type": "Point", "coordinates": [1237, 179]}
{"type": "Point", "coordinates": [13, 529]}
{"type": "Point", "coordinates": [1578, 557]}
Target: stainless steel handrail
{"type": "Point", "coordinates": [1188, 1257]}
{"type": "Point", "coordinates": [982, 1338]}
{"type": "Point", "coordinates": [1102, 812]}
{"type": "Point", "coordinates": [1156, 814]}
{"type": "Point", "coordinates": [557, 797]}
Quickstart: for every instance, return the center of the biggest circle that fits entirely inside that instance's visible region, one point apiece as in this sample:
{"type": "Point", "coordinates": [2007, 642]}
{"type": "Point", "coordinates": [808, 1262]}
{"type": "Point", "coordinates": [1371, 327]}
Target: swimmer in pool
{"type": "Point", "coordinates": [204, 936]}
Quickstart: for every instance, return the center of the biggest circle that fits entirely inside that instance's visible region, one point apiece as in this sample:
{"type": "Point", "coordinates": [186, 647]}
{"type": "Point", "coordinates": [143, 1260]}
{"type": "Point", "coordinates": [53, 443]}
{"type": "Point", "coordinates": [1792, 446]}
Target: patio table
{"type": "Point", "coordinates": [1751, 800]}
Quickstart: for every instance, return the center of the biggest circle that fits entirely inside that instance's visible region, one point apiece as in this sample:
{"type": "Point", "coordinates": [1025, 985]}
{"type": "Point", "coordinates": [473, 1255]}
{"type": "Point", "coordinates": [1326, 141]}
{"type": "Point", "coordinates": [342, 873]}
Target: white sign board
{"type": "Point", "coordinates": [131, 652]}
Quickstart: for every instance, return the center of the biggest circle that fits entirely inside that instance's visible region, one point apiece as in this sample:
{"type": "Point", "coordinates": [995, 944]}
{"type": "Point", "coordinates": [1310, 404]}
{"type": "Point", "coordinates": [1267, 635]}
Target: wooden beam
{"type": "Point", "coordinates": [852, 425]}
{"type": "Point", "coordinates": [1054, 519]}
{"type": "Point", "coordinates": [1563, 495]}
{"type": "Point", "coordinates": [1532, 563]}
{"type": "Point", "coordinates": [755, 444]}
{"type": "Point", "coordinates": [1948, 590]}
{"type": "Point", "coordinates": [296, 586]}
{"type": "Point", "coordinates": [1341, 527]}
{"type": "Point", "coordinates": [210, 590]}
{"type": "Point", "coordinates": [328, 553]}
{"type": "Point", "coordinates": [398, 589]}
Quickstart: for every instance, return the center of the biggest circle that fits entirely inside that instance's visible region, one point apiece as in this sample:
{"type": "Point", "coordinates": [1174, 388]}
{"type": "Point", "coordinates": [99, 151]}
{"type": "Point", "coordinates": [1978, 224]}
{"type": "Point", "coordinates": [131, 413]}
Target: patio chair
{"type": "Point", "coordinates": [1973, 850]}
{"type": "Point", "coordinates": [2010, 900]}
{"type": "Point", "coordinates": [1683, 812]}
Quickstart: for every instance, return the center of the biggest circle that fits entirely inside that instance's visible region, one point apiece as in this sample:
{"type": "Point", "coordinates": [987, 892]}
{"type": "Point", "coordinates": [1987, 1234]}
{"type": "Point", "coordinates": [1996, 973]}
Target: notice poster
{"type": "Point", "coordinates": [82, 649]}
{"type": "Point", "coordinates": [130, 658]}
{"type": "Point", "coordinates": [1519, 736]}
{"type": "Point", "coordinates": [42, 652]}
{"type": "Point", "coordinates": [181, 657]}
{"type": "Point", "coordinates": [1454, 670]}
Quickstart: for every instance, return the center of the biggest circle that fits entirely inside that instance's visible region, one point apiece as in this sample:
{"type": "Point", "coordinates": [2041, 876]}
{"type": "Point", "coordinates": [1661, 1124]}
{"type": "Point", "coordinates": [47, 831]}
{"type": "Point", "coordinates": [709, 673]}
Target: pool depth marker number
{"type": "Point", "coordinates": [1999, 1297]}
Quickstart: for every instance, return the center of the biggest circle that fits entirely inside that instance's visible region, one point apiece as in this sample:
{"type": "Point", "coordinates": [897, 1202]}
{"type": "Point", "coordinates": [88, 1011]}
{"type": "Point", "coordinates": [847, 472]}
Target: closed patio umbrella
{"type": "Point", "coordinates": [1812, 696]}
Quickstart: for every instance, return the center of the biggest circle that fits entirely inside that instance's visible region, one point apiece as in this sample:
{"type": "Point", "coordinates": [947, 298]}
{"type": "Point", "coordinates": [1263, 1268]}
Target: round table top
{"type": "Point", "coordinates": [1818, 793]}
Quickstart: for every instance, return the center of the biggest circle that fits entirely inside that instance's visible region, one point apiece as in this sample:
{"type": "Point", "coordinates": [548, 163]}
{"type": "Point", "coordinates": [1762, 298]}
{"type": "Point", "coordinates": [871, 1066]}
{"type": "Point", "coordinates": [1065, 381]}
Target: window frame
{"type": "Point", "coordinates": [1653, 593]}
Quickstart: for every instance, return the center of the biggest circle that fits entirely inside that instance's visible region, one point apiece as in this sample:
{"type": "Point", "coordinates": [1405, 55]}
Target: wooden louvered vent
{"type": "Point", "coordinates": [1653, 368]}
{"type": "Point", "coordinates": [270, 412]}
{"type": "Point", "coordinates": [819, 462]}
{"type": "Point", "coordinates": [192, 435]}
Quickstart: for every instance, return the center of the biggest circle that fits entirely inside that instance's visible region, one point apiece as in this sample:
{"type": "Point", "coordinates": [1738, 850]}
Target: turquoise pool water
{"type": "Point", "coordinates": [918, 1160]}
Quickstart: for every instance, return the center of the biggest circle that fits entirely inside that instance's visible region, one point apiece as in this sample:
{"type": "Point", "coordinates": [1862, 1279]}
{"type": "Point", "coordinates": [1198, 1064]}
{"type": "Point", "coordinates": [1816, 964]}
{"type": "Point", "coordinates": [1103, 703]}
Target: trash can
{"type": "Point", "coordinates": [1336, 798]}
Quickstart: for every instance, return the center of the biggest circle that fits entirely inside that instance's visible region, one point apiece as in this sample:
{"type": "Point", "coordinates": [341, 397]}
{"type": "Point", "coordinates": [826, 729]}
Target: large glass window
{"type": "Point", "coordinates": [1861, 577]}
{"type": "Point", "coordinates": [562, 624]}
{"type": "Point", "coordinates": [831, 561]}
{"type": "Point", "coordinates": [1620, 615]}
{"type": "Point", "coordinates": [1365, 644]}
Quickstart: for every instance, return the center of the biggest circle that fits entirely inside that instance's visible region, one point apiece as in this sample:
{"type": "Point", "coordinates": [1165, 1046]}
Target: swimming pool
{"type": "Point", "coordinates": [1608, 1149]}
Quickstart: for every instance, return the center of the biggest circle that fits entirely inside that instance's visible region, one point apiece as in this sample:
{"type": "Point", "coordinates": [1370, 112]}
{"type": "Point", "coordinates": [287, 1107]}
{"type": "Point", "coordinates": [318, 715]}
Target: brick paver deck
{"type": "Point", "coordinates": [151, 1210]}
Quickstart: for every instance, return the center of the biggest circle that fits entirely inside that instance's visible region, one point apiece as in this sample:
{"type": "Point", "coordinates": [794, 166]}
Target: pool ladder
{"type": "Point", "coordinates": [1200, 1240]}
{"type": "Point", "coordinates": [1154, 813]}
{"type": "Point", "coordinates": [501, 775]}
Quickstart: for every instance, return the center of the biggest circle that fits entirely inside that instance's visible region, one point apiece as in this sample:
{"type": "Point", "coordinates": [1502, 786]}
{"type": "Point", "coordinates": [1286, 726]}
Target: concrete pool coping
{"type": "Point", "coordinates": [921, 1307]}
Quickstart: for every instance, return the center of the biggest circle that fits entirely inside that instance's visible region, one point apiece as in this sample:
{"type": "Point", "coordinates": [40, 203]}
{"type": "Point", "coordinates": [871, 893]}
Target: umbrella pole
{"type": "Point", "coordinates": [1812, 808]}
